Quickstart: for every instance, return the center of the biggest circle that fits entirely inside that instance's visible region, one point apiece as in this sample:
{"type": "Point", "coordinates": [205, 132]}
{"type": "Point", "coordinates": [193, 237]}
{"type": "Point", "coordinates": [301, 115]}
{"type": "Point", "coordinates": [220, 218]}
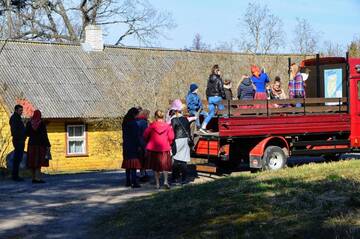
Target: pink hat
{"type": "Point", "coordinates": [177, 105]}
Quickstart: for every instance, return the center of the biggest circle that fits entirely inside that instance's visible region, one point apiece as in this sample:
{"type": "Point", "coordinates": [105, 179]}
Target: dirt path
{"type": "Point", "coordinates": [64, 207]}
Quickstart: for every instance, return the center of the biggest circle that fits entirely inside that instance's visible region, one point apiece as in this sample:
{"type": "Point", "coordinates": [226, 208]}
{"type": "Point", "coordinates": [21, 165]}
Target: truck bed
{"type": "Point", "coordinates": [283, 125]}
{"type": "Point", "coordinates": [280, 117]}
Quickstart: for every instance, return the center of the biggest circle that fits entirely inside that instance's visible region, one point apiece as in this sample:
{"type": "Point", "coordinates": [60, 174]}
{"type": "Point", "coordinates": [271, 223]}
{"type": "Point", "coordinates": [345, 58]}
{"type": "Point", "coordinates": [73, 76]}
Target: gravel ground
{"type": "Point", "coordinates": [64, 206]}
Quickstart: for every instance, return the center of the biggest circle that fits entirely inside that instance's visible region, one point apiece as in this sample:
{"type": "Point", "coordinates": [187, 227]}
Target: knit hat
{"type": "Point", "coordinates": [193, 87]}
{"type": "Point", "coordinates": [176, 105]}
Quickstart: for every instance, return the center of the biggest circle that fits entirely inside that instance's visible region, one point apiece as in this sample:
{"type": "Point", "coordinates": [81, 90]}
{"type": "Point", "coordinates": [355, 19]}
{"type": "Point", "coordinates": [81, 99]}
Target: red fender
{"type": "Point", "coordinates": [257, 152]}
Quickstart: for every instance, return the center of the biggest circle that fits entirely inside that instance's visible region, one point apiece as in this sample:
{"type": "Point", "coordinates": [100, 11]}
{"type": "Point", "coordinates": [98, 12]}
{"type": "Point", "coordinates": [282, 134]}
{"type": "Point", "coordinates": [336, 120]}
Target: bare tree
{"type": "Point", "coordinates": [305, 38]}
{"type": "Point", "coordinates": [58, 20]}
{"type": "Point", "coordinates": [332, 49]}
{"type": "Point", "coordinates": [199, 44]}
{"type": "Point", "coordinates": [354, 47]}
{"type": "Point", "coordinates": [225, 46]}
{"type": "Point", "coordinates": [262, 31]}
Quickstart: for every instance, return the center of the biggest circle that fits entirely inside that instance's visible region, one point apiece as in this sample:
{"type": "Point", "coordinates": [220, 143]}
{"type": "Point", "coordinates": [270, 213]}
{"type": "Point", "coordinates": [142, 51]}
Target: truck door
{"type": "Point", "coordinates": [354, 75]}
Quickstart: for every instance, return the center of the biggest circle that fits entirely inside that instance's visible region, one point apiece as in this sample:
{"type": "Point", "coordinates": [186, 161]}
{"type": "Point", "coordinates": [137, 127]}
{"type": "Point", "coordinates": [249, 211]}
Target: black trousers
{"type": "Point", "coordinates": [18, 155]}
{"type": "Point", "coordinates": [179, 168]}
{"type": "Point", "coordinates": [131, 176]}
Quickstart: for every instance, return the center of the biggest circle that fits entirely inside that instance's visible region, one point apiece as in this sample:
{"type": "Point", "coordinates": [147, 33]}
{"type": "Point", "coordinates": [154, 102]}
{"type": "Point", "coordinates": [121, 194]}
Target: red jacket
{"type": "Point", "coordinates": [159, 136]}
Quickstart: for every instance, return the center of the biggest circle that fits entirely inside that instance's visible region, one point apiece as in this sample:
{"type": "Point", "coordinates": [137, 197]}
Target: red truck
{"type": "Point", "coordinates": [264, 133]}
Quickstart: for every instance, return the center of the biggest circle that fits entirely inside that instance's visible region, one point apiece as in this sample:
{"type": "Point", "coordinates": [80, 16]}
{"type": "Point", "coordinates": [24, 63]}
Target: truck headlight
{"type": "Point", "coordinates": [357, 67]}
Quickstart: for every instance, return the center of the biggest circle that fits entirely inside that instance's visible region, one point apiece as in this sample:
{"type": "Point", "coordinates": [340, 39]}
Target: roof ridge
{"type": "Point", "coordinates": [38, 42]}
{"type": "Point", "coordinates": [158, 49]}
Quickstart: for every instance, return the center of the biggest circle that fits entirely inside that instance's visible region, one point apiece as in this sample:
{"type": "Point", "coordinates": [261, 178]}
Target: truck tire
{"type": "Point", "coordinates": [274, 158]}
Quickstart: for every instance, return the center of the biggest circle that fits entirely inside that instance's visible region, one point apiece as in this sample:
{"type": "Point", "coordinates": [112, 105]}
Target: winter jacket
{"type": "Point", "coordinates": [181, 127]}
{"type": "Point", "coordinates": [215, 86]}
{"type": "Point", "coordinates": [297, 87]}
{"type": "Point", "coordinates": [17, 128]}
{"type": "Point", "coordinates": [260, 82]}
{"type": "Point", "coordinates": [37, 137]}
{"type": "Point", "coordinates": [246, 90]}
{"type": "Point", "coordinates": [131, 141]}
{"type": "Point", "coordinates": [193, 102]}
{"type": "Point", "coordinates": [142, 124]}
{"type": "Point", "coordinates": [159, 136]}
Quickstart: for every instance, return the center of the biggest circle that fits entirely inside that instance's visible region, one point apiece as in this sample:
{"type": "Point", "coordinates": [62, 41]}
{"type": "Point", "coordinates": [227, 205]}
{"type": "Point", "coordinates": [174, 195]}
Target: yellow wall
{"type": "Point", "coordinates": [5, 136]}
{"type": "Point", "coordinates": [104, 149]}
{"type": "Point", "coordinates": [104, 146]}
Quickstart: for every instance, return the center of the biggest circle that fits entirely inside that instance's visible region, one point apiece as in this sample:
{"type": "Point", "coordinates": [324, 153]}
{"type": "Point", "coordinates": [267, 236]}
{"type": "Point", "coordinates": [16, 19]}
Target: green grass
{"type": "Point", "coordinates": [312, 201]}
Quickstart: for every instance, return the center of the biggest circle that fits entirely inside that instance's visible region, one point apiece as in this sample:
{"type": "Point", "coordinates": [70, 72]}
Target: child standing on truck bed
{"type": "Point", "coordinates": [296, 84]}
{"type": "Point", "coordinates": [215, 94]}
{"type": "Point", "coordinates": [260, 79]}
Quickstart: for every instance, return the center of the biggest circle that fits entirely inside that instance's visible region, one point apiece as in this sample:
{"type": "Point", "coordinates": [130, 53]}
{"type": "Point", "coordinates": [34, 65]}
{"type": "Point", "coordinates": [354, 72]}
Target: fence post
{"type": "Point", "coordinates": [304, 104]}
{"type": "Point", "coordinates": [229, 109]}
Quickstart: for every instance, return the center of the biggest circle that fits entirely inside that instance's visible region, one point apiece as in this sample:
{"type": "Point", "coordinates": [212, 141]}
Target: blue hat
{"type": "Point", "coordinates": [193, 87]}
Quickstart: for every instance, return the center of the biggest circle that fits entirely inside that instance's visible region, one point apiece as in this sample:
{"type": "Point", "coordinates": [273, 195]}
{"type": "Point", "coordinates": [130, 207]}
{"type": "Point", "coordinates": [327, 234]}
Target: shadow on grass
{"type": "Point", "coordinates": [243, 207]}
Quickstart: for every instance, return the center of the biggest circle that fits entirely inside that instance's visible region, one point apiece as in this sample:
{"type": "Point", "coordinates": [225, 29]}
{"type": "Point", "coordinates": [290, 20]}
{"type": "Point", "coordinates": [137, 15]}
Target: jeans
{"type": "Point", "coordinates": [213, 102]}
{"type": "Point", "coordinates": [197, 115]}
{"type": "Point", "coordinates": [18, 155]}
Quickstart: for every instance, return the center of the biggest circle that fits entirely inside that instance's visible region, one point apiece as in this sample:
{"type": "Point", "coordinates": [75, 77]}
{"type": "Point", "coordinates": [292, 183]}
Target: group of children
{"type": "Point", "coordinates": [256, 86]}
{"type": "Point", "coordinates": [162, 146]}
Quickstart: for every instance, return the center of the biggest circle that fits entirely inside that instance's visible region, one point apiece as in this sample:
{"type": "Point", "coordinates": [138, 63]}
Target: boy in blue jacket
{"type": "Point", "coordinates": [194, 104]}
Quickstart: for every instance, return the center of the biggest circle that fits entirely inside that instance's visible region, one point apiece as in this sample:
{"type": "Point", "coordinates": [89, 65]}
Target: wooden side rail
{"type": "Point", "coordinates": [287, 106]}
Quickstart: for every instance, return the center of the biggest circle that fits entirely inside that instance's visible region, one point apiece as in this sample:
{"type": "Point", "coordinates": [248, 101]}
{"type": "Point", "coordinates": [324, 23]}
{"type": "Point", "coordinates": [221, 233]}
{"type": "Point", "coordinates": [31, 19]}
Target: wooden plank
{"type": "Point", "coordinates": [206, 168]}
{"type": "Point", "coordinates": [245, 102]}
{"type": "Point", "coordinates": [325, 109]}
{"type": "Point", "coordinates": [286, 110]}
{"type": "Point", "coordinates": [235, 112]}
{"type": "Point", "coordinates": [325, 100]}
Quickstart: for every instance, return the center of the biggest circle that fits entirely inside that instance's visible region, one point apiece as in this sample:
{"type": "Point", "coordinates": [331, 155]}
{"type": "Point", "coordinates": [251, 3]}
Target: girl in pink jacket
{"type": "Point", "coordinates": [159, 137]}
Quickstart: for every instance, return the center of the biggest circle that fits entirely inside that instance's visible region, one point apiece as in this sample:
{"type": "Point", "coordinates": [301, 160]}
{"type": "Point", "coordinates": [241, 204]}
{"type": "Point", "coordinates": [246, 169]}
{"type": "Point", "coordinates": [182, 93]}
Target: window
{"type": "Point", "coordinates": [76, 140]}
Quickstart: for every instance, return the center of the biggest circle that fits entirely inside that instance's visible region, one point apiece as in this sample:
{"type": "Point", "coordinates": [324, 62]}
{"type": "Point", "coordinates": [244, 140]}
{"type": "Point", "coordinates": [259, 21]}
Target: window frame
{"type": "Point", "coordinates": [68, 139]}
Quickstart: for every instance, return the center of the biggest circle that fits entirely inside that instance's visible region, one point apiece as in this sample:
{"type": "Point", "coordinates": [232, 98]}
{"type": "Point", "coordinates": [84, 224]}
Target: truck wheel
{"type": "Point", "coordinates": [274, 158]}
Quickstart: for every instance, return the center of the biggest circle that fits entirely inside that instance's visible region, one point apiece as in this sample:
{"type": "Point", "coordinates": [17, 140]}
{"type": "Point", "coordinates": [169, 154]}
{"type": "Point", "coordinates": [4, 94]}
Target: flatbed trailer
{"type": "Point", "coordinates": [264, 133]}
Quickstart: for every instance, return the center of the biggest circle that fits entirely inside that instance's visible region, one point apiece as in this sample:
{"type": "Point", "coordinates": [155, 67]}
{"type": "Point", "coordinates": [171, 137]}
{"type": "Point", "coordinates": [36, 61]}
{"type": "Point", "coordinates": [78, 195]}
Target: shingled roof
{"type": "Point", "coordinates": [63, 81]}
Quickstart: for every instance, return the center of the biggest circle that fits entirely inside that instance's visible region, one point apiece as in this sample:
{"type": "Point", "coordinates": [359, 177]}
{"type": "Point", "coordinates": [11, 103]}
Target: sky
{"type": "Point", "coordinates": [220, 21]}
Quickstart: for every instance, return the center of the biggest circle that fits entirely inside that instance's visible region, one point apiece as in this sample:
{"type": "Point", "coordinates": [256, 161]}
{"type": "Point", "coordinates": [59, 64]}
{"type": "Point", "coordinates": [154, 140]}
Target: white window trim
{"type": "Point", "coordinates": [76, 138]}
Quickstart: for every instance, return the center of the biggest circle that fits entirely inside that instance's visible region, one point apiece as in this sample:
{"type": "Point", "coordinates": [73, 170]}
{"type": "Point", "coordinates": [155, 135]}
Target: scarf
{"type": "Point", "coordinates": [36, 120]}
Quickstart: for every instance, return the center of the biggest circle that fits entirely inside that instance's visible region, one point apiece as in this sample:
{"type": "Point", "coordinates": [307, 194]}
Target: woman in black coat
{"type": "Point", "coordinates": [131, 147]}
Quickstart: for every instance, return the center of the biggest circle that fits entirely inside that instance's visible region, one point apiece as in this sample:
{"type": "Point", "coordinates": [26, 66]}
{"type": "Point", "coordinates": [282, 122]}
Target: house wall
{"type": "Point", "coordinates": [103, 148]}
{"type": "Point", "coordinates": [103, 142]}
{"type": "Point", "coordinates": [5, 136]}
